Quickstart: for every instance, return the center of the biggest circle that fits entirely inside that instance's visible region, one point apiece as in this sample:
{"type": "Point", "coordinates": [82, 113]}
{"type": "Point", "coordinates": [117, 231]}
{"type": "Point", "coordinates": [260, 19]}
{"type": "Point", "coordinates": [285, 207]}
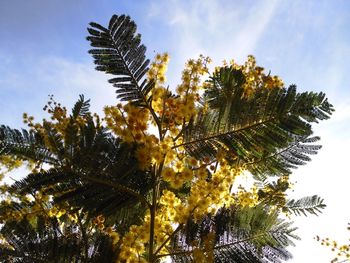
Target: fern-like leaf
{"type": "Point", "coordinates": [248, 234]}
{"type": "Point", "coordinates": [26, 145]}
{"type": "Point", "coordinates": [272, 126]}
{"type": "Point", "coordinates": [283, 160]}
{"type": "Point", "coordinates": [81, 107]}
{"type": "Point", "coordinates": [119, 52]}
{"type": "Point", "coordinates": [306, 205]}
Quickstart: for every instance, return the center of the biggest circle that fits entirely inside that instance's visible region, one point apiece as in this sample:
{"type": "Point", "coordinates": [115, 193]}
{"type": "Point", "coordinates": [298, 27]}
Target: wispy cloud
{"type": "Point", "coordinates": [221, 27]}
{"type": "Point", "coordinates": [63, 78]}
{"type": "Point", "coordinates": [67, 79]}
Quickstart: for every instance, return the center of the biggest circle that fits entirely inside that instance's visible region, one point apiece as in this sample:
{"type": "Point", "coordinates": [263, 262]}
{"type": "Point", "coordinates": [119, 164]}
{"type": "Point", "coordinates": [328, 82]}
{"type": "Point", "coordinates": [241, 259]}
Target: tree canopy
{"type": "Point", "coordinates": [157, 176]}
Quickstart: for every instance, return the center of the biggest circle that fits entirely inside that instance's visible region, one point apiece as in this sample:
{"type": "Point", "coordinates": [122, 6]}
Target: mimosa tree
{"type": "Point", "coordinates": [157, 176]}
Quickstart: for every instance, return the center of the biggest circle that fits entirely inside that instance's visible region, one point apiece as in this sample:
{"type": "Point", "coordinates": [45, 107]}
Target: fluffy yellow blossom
{"type": "Point", "coordinates": [158, 69]}
{"type": "Point", "coordinates": [255, 77]}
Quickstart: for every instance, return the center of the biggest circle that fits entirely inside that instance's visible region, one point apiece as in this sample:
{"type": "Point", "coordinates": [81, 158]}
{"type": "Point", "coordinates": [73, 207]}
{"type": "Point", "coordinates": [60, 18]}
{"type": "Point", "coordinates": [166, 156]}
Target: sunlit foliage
{"type": "Point", "coordinates": [159, 175]}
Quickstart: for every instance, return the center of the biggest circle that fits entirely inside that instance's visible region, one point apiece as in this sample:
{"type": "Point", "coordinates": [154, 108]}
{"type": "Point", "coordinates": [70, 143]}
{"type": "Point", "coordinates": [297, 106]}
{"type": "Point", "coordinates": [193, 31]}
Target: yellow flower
{"type": "Point", "coordinates": [187, 174]}
{"type": "Point", "coordinates": [176, 183]}
{"type": "Point", "coordinates": [168, 174]}
{"type": "Point", "coordinates": [157, 156]}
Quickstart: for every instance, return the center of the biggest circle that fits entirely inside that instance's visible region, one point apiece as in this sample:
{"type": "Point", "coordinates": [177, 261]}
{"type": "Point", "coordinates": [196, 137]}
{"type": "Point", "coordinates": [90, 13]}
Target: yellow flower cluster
{"type": "Point", "coordinates": [58, 116]}
{"type": "Point", "coordinates": [207, 195]}
{"type": "Point", "coordinates": [36, 205]}
{"type": "Point", "coordinates": [60, 122]}
{"type": "Point", "coordinates": [158, 69]}
{"type": "Point", "coordinates": [5, 244]}
{"type": "Point", "coordinates": [133, 244]}
{"type": "Point", "coordinates": [128, 122]}
{"type": "Point", "coordinates": [56, 212]}
{"type": "Point", "coordinates": [176, 178]}
{"type": "Point", "coordinates": [191, 75]}
{"type": "Point", "coordinates": [152, 151]}
{"type": "Point", "coordinates": [113, 235]}
{"type": "Point", "coordinates": [99, 222]}
{"type": "Point", "coordinates": [7, 164]}
{"type": "Point", "coordinates": [175, 110]}
{"type": "Point", "coordinates": [255, 77]}
{"type": "Point", "coordinates": [169, 213]}
{"type": "Point", "coordinates": [169, 203]}
{"type": "Point", "coordinates": [247, 198]}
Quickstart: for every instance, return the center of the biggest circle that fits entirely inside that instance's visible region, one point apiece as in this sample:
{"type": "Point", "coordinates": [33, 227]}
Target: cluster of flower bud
{"type": "Point", "coordinates": [255, 77]}
{"type": "Point", "coordinates": [127, 121]}
{"type": "Point", "coordinates": [158, 69]}
{"type": "Point", "coordinates": [342, 250]}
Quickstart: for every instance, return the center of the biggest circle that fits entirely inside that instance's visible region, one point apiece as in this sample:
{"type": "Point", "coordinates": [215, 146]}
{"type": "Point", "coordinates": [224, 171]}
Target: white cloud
{"type": "Point", "coordinates": [220, 25]}
{"type": "Point", "coordinates": [67, 79]}
{"type": "Point", "coordinates": [219, 29]}
{"type": "Point", "coordinates": [27, 88]}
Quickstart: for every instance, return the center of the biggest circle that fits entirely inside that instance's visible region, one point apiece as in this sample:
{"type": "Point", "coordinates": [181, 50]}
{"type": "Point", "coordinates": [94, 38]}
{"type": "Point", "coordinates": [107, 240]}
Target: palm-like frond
{"type": "Point", "coordinates": [270, 131]}
{"type": "Point", "coordinates": [93, 169]}
{"type": "Point", "coordinates": [273, 193]}
{"type": "Point", "coordinates": [25, 145]}
{"type": "Point", "coordinates": [81, 107]}
{"type": "Point", "coordinates": [119, 52]}
{"type": "Point", "coordinates": [242, 235]}
{"type": "Point", "coordinates": [283, 160]}
{"type": "Point", "coordinates": [247, 253]}
{"type": "Point", "coordinates": [306, 205]}
{"type": "Point", "coordinates": [103, 162]}
{"type": "Point", "coordinates": [43, 239]}
{"type": "Point", "coordinates": [243, 253]}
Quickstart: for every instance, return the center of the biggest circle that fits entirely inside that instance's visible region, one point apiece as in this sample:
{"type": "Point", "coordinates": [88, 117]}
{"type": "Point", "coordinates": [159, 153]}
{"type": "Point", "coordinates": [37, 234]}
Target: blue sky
{"type": "Point", "coordinates": [43, 51]}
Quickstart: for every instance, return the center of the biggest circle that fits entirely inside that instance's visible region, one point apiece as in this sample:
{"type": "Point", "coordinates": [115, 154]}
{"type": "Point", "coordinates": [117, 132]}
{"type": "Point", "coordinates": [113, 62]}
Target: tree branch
{"type": "Point", "coordinates": [169, 237]}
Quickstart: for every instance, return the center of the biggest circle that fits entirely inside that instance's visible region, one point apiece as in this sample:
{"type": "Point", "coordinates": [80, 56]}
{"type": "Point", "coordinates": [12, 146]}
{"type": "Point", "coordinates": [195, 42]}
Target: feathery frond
{"type": "Point", "coordinates": [81, 107]}
{"type": "Point", "coordinates": [306, 205]}
{"type": "Point", "coordinates": [26, 145]}
{"type": "Point", "coordinates": [247, 234]}
{"type": "Point", "coordinates": [119, 52]}
{"type": "Point", "coordinates": [271, 127]}
{"type": "Point", "coordinates": [42, 239]}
